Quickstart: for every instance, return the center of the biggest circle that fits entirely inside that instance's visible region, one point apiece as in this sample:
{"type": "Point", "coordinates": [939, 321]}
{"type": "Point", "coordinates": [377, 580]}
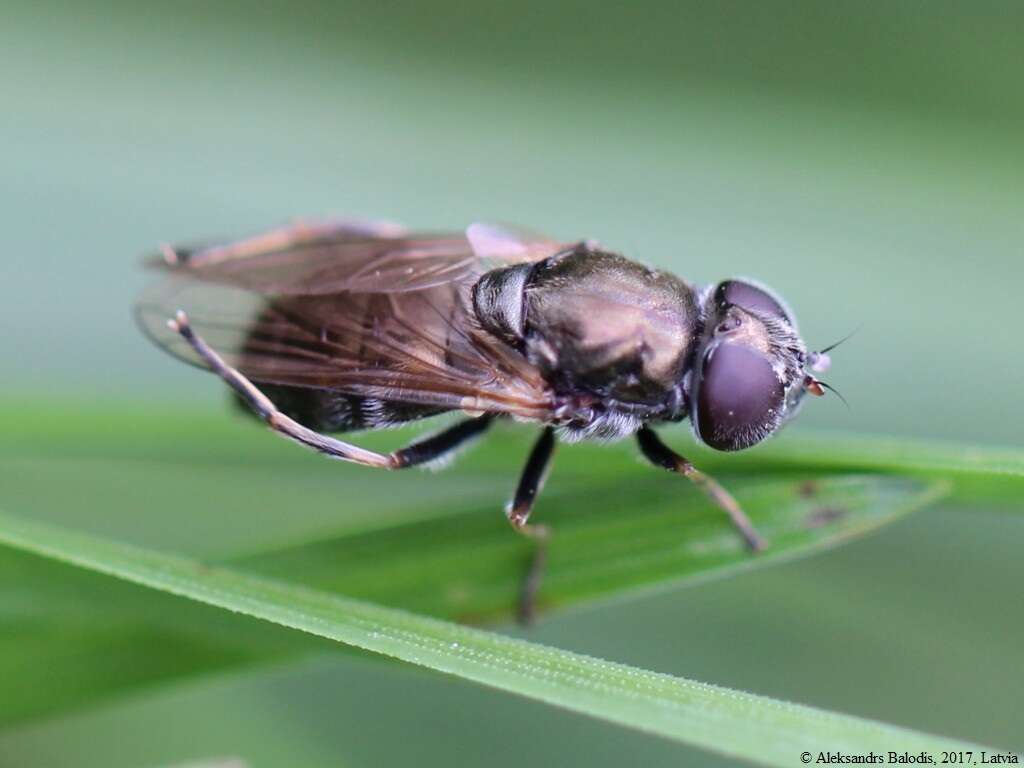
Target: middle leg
{"type": "Point", "coordinates": [518, 513]}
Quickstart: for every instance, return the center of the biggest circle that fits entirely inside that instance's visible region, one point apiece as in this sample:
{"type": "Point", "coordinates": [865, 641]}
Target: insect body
{"type": "Point", "coordinates": [327, 327]}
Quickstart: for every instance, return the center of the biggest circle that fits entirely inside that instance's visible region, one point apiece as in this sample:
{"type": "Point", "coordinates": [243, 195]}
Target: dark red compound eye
{"type": "Point", "coordinates": [749, 297]}
{"type": "Point", "coordinates": [739, 398]}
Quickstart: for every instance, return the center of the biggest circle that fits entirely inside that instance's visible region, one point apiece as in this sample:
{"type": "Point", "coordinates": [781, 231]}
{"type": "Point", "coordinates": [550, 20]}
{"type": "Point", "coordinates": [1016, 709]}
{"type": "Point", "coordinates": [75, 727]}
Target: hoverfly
{"type": "Point", "coordinates": [334, 326]}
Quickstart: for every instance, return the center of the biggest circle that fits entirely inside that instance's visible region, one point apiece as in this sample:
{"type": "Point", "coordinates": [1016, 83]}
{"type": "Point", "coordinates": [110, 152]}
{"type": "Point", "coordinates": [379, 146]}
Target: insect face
{"type": "Point", "coordinates": [749, 375]}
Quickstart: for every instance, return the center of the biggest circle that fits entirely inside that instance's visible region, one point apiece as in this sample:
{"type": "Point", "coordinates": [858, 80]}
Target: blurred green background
{"type": "Point", "coordinates": [865, 160]}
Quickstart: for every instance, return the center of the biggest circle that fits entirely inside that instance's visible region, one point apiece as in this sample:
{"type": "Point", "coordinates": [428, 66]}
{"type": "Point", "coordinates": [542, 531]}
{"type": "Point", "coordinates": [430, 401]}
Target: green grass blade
{"type": "Point", "coordinates": [460, 562]}
{"type": "Point", "coordinates": [820, 450]}
{"type": "Point", "coordinates": [185, 434]}
{"type": "Point", "coordinates": [216, 485]}
{"type": "Point", "coordinates": [608, 540]}
{"type": "Point", "coordinates": [71, 637]}
{"type": "Point", "coordinates": [756, 728]}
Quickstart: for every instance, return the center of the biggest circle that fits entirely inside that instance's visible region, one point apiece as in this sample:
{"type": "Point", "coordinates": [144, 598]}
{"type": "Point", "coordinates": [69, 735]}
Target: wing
{"type": "Point", "coordinates": [364, 310]}
{"type": "Point", "coordinates": [312, 257]}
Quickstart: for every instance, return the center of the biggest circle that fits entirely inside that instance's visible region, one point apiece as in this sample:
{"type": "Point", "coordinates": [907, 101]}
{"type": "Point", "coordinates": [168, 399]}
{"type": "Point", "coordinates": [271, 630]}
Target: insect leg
{"type": "Point", "coordinates": [662, 456]}
{"type": "Point", "coordinates": [518, 513]}
{"type": "Point", "coordinates": [267, 411]}
{"type": "Point", "coordinates": [417, 453]}
{"type": "Point", "coordinates": [439, 445]}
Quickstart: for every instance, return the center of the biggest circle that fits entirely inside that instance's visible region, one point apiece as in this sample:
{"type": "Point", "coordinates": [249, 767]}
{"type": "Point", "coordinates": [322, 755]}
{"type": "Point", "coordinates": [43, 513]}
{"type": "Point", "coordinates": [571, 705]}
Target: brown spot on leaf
{"type": "Point", "coordinates": [808, 489]}
{"type": "Point", "coordinates": [822, 516]}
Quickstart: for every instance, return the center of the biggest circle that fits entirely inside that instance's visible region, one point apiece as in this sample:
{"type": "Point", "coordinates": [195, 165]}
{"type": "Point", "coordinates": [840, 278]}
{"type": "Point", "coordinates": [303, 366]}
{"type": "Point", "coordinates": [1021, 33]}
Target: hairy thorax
{"type": "Point", "coordinates": [612, 337]}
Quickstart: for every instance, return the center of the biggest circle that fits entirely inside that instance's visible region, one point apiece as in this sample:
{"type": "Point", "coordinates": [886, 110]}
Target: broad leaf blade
{"type": "Point", "coordinates": [756, 728]}
{"type": "Point", "coordinates": [608, 539]}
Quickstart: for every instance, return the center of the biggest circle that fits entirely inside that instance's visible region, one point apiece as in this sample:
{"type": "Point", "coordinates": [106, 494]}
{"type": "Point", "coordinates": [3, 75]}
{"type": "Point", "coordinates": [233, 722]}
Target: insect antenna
{"type": "Point", "coordinates": [835, 392]}
{"type": "Point", "coordinates": [843, 340]}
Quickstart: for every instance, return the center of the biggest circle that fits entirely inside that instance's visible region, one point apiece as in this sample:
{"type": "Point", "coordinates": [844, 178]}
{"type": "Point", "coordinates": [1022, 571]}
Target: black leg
{"type": "Point", "coordinates": [417, 453]}
{"type": "Point", "coordinates": [518, 513]}
{"type": "Point", "coordinates": [662, 456]}
{"type": "Point", "coordinates": [441, 444]}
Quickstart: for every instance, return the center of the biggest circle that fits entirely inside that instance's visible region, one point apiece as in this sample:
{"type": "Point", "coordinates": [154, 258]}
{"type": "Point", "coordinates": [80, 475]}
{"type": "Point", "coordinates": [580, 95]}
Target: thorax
{"type": "Point", "coordinates": [613, 338]}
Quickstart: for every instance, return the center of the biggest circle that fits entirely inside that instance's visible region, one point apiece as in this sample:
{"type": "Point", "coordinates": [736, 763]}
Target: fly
{"type": "Point", "coordinates": [325, 327]}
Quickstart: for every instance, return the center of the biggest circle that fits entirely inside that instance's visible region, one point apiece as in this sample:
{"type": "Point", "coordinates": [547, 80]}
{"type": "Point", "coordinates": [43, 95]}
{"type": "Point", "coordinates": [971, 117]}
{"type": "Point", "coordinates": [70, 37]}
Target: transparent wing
{"type": "Point", "coordinates": [320, 257]}
{"type": "Point", "coordinates": [397, 325]}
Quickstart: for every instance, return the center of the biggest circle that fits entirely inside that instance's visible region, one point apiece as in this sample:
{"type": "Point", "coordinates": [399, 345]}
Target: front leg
{"type": "Point", "coordinates": [518, 513]}
{"type": "Point", "coordinates": [662, 456]}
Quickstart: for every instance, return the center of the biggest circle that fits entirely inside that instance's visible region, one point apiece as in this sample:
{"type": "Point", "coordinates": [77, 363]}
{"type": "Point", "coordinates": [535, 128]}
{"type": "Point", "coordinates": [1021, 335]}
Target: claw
{"type": "Point", "coordinates": [169, 254]}
{"type": "Point", "coordinates": [179, 323]}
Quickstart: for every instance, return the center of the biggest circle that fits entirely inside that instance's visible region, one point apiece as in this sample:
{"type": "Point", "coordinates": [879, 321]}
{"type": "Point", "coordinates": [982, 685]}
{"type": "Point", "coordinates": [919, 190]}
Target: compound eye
{"type": "Point", "coordinates": [739, 398]}
{"type": "Point", "coordinates": [749, 297]}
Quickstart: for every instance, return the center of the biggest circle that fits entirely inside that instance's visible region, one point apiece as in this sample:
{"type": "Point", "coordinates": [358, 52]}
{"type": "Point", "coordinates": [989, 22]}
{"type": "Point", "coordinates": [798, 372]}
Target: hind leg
{"type": "Point", "coordinates": [418, 453]}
